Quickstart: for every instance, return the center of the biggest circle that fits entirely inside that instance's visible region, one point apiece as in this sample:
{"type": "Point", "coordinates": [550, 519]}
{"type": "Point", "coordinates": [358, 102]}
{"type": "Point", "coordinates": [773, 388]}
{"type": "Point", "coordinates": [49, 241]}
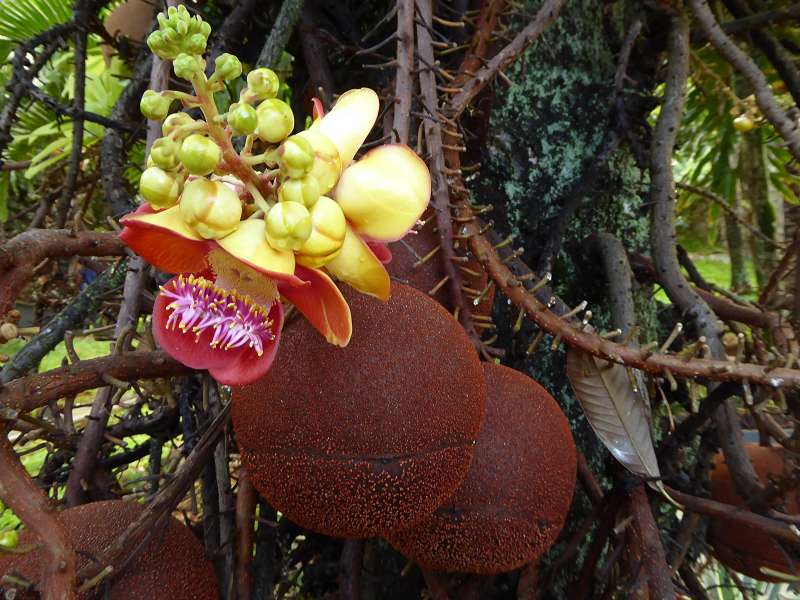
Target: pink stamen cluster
{"type": "Point", "coordinates": [199, 305]}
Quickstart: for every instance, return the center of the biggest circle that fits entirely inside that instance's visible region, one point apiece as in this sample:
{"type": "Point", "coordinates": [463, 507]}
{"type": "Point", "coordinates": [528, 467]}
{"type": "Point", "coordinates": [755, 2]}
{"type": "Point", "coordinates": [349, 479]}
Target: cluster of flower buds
{"type": "Point", "coordinates": [746, 115]}
{"type": "Point", "coordinates": [276, 215]}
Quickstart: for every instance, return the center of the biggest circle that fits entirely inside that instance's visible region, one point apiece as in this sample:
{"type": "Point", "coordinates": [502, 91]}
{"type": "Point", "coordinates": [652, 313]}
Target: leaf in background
{"type": "Point", "coordinates": [619, 415]}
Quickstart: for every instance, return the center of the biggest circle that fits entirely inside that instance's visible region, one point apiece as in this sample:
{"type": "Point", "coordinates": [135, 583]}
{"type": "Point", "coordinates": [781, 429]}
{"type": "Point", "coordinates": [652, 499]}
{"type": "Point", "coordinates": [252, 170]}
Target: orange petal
{"type": "Point", "coordinates": [358, 266]}
{"type": "Point", "coordinates": [322, 304]}
{"type": "Point", "coordinates": [164, 240]}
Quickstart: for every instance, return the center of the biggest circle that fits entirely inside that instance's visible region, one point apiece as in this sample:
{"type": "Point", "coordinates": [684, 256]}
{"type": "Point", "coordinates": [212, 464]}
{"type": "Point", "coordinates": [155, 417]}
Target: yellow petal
{"type": "Point", "coordinates": [349, 122]}
{"type": "Point", "coordinates": [249, 244]}
{"type": "Point", "coordinates": [357, 266]}
{"type": "Point", "coordinates": [384, 193]}
{"type": "Point", "coordinates": [168, 219]}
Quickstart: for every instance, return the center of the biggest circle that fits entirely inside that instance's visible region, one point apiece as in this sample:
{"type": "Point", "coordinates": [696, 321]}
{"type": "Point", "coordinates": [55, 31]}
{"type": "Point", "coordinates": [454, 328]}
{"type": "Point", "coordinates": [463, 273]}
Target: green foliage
{"type": "Point", "coordinates": [22, 20]}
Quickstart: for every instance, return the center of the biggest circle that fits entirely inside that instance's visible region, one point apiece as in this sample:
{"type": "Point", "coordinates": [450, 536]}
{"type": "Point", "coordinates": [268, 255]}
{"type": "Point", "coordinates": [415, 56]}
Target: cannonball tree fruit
{"type": "Point", "coordinates": [363, 440]}
{"type": "Point", "coordinates": [515, 498]}
{"type": "Point", "coordinates": [172, 564]}
{"type": "Point", "coordinates": [426, 276]}
{"type": "Point", "coordinates": [741, 548]}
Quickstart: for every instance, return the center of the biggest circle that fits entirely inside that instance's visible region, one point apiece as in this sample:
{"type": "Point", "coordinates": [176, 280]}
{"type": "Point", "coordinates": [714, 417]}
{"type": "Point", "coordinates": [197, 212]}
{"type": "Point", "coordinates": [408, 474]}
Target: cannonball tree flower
{"type": "Point", "coordinates": [241, 245]}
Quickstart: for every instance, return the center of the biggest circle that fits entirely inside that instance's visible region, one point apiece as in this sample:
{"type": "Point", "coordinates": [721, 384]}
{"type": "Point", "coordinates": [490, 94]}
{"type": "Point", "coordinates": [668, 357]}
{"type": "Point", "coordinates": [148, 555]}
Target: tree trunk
{"type": "Point", "coordinates": [547, 153]}
{"type": "Point", "coordinates": [754, 186]}
{"type": "Point", "coordinates": [736, 251]}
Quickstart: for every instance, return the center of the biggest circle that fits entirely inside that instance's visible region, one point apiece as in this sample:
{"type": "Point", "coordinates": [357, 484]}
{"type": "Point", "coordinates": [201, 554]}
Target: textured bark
{"type": "Point", "coordinates": [736, 252]}
{"type": "Point", "coordinates": [755, 191]}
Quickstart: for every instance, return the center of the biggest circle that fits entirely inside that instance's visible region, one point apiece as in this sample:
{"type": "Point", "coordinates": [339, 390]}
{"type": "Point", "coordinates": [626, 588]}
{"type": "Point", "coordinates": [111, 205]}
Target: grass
{"type": "Point", "coordinates": [716, 269]}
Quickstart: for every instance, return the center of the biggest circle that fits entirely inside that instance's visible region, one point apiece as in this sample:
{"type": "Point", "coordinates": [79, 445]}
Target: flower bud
{"type": "Point", "coordinates": [288, 225]}
{"type": "Point", "coordinates": [275, 120]}
{"type": "Point", "coordinates": [211, 208]}
{"type": "Point", "coordinates": [175, 121]}
{"type": "Point", "coordinates": [743, 123]}
{"type": "Point", "coordinates": [187, 66]}
{"type": "Point", "coordinates": [154, 106]}
{"type": "Point", "coordinates": [199, 154]}
{"type": "Point", "coordinates": [9, 331]}
{"type": "Point", "coordinates": [195, 44]}
{"type": "Point", "coordinates": [327, 164]}
{"type": "Point", "coordinates": [304, 190]}
{"type": "Point", "coordinates": [9, 539]}
{"type": "Point", "coordinates": [328, 228]}
{"type": "Point", "coordinates": [164, 153]}
{"type": "Point", "coordinates": [295, 156]}
{"type": "Point", "coordinates": [227, 67]}
{"type": "Point", "coordinates": [263, 83]}
{"type": "Point", "coordinates": [160, 188]}
{"type": "Point", "coordinates": [242, 118]}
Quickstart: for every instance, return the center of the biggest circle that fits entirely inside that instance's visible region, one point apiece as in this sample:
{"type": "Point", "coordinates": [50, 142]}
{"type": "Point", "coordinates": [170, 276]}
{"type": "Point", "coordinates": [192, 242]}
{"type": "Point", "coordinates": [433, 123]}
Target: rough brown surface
{"type": "Point", "coordinates": [742, 549]}
{"type": "Point", "coordinates": [362, 440]}
{"type": "Point", "coordinates": [513, 503]}
{"type": "Point", "coordinates": [408, 251]}
{"type": "Point", "coordinates": [172, 565]}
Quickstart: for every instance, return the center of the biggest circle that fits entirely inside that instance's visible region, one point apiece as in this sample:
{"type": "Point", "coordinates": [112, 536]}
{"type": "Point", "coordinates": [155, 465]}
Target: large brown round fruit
{"type": "Point", "coordinates": [172, 565]}
{"type": "Point", "coordinates": [513, 503]}
{"type": "Point", "coordinates": [740, 548]}
{"type": "Point", "coordinates": [363, 440]}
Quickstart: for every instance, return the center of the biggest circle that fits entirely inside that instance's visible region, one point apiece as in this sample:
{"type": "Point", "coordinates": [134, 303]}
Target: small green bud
{"type": "Point", "coordinates": [196, 43]}
{"type": "Point", "coordinates": [154, 106]}
{"type": "Point", "coordinates": [304, 190]}
{"type": "Point", "coordinates": [288, 226]}
{"type": "Point", "coordinates": [9, 539]}
{"type": "Point", "coordinates": [159, 188]}
{"type": "Point", "coordinates": [242, 118]}
{"type": "Point", "coordinates": [182, 27]}
{"type": "Point", "coordinates": [175, 121]}
{"type": "Point", "coordinates": [295, 157]}
{"type": "Point", "coordinates": [227, 67]}
{"type": "Point", "coordinates": [275, 120]}
{"type": "Point", "coordinates": [263, 83]}
{"type": "Point", "coordinates": [199, 154]}
{"type": "Point", "coordinates": [164, 153]}
{"type": "Point", "coordinates": [187, 66]}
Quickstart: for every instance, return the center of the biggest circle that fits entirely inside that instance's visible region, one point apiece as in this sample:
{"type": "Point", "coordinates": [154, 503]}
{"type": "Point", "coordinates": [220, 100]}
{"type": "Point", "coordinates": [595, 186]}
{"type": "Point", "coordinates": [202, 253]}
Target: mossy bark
{"type": "Point", "coordinates": [545, 128]}
{"type": "Point", "coordinates": [754, 186]}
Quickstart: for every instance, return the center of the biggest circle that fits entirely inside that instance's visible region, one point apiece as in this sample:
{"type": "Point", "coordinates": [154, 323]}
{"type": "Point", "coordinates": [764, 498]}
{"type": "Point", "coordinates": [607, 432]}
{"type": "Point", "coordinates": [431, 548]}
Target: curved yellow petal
{"type": "Point", "coordinates": [358, 267]}
{"type": "Point", "coordinates": [384, 193]}
{"type": "Point", "coordinates": [249, 245]}
{"type": "Point", "coordinates": [349, 122]}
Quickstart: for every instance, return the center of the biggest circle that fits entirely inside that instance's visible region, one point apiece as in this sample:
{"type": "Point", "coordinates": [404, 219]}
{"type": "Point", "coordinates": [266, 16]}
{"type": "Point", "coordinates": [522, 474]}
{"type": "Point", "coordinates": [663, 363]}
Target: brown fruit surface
{"type": "Point", "coordinates": [409, 250]}
{"type": "Point", "coordinates": [515, 498]}
{"type": "Point", "coordinates": [363, 440]}
{"type": "Point", "coordinates": [740, 548]}
{"type": "Point", "coordinates": [172, 565]}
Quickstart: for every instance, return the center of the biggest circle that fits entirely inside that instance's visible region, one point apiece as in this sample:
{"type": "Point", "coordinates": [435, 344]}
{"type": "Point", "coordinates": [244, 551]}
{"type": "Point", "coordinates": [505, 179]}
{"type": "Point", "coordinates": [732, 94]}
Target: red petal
{"type": "Point", "coordinates": [322, 304]}
{"type": "Point", "coordinates": [238, 366]}
{"type": "Point", "coordinates": [158, 239]}
{"type": "Point", "coordinates": [318, 111]}
{"type": "Point", "coordinates": [381, 251]}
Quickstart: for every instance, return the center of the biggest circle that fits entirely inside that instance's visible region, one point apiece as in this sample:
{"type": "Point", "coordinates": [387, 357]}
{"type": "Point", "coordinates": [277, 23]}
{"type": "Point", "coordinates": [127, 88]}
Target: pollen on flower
{"type": "Point", "coordinates": [234, 319]}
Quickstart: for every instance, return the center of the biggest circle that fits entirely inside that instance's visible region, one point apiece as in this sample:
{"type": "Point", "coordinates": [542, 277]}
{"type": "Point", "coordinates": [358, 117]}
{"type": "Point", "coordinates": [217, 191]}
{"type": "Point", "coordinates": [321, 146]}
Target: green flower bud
{"type": "Point", "coordinates": [227, 67]}
{"type": "Point", "coordinates": [161, 46]}
{"type": "Point", "coordinates": [154, 106]}
{"type": "Point", "coordinates": [159, 188]}
{"type": "Point", "coordinates": [187, 66]}
{"type": "Point", "coordinates": [9, 539]}
{"type": "Point", "coordinates": [295, 157]}
{"type": "Point", "coordinates": [175, 121]}
{"type": "Point", "coordinates": [275, 120]}
{"type": "Point", "coordinates": [164, 153]}
{"type": "Point", "coordinates": [288, 226]}
{"type": "Point", "coordinates": [263, 83]}
{"type": "Point", "coordinates": [304, 190]}
{"type": "Point", "coordinates": [199, 154]}
{"type": "Point", "coordinates": [195, 43]}
{"type": "Point", "coordinates": [210, 207]}
{"type": "Point", "coordinates": [242, 118]}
